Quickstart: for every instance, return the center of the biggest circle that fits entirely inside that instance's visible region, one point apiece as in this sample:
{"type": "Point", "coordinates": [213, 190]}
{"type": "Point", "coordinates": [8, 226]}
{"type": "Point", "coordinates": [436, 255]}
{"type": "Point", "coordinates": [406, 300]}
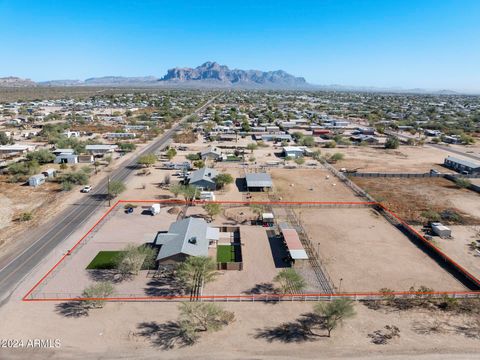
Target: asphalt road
{"type": "Point", "coordinates": [69, 220]}
{"type": "Point", "coordinates": [455, 151]}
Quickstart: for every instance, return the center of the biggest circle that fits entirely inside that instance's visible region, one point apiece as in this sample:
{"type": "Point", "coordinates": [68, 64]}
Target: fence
{"type": "Point", "coordinates": [37, 289]}
{"type": "Point", "coordinates": [270, 297]}
{"type": "Point", "coordinates": [410, 175]}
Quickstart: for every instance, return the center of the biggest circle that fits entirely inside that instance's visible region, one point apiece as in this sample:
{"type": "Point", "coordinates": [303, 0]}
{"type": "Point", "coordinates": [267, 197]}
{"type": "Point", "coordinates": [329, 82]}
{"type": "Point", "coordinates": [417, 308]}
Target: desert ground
{"type": "Point", "coordinates": [376, 159]}
{"type": "Point", "coordinates": [410, 197]}
{"type": "Point", "coordinates": [360, 247]}
{"type": "Point", "coordinates": [127, 330]}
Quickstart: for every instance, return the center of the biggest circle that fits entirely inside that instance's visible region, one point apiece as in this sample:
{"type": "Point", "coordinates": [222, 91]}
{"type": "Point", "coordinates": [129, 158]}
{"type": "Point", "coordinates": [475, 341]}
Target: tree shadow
{"type": "Point", "coordinates": [297, 331]}
{"type": "Point", "coordinates": [165, 336]}
{"type": "Point", "coordinates": [109, 275]}
{"type": "Point", "coordinates": [73, 309]}
{"type": "Point", "coordinates": [164, 286]}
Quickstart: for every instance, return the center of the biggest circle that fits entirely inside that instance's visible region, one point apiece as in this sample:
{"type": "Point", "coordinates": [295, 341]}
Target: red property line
{"type": "Point", "coordinates": [259, 296]}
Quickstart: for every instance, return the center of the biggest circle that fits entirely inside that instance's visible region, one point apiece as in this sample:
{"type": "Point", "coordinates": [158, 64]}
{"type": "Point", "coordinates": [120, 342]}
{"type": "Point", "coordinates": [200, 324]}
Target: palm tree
{"type": "Point", "coordinates": [195, 272]}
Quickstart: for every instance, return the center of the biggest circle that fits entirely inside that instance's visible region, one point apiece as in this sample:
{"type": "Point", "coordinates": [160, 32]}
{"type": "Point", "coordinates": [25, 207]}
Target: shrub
{"type": "Point", "coordinates": [26, 216]}
{"type": "Point", "coordinates": [392, 143]}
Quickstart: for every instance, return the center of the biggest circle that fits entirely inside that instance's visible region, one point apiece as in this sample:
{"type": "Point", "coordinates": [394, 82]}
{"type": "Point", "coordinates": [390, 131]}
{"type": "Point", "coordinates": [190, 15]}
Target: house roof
{"type": "Point", "coordinates": [258, 180]}
{"type": "Point", "coordinates": [206, 174]}
{"type": "Point", "coordinates": [464, 162]}
{"type": "Point", "coordinates": [211, 150]}
{"type": "Point", "coordinates": [189, 236]}
{"type": "Point", "coordinates": [100, 147]}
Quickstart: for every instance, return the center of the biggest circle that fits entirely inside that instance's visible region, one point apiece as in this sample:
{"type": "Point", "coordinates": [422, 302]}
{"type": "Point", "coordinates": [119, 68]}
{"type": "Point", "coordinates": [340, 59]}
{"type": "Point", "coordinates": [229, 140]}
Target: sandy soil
{"type": "Point", "coordinates": [359, 246]}
{"type": "Point", "coordinates": [410, 197]}
{"type": "Point", "coordinates": [404, 159]}
{"type": "Point", "coordinates": [310, 185]}
{"type": "Point", "coordinates": [458, 247]}
{"type": "Point", "coordinates": [115, 332]}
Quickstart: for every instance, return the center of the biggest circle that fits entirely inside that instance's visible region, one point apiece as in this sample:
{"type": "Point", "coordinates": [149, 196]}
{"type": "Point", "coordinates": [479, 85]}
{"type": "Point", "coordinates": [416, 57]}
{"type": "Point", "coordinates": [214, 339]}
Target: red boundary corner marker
{"type": "Point", "coordinates": [260, 296]}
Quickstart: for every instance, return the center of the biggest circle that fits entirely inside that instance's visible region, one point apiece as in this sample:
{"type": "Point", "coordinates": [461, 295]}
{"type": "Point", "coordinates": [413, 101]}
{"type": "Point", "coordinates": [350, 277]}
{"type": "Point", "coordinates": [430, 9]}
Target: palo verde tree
{"type": "Point", "coordinates": [95, 294]}
{"type": "Point", "coordinates": [289, 281]}
{"type": "Point", "coordinates": [212, 209]}
{"type": "Point", "coordinates": [333, 313]}
{"type": "Point", "coordinates": [115, 187]}
{"type": "Point", "coordinates": [196, 318]}
{"type": "Point", "coordinates": [131, 259]}
{"type": "Point", "coordinates": [147, 160]}
{"type": "Point", "coordinates": [223, 179]}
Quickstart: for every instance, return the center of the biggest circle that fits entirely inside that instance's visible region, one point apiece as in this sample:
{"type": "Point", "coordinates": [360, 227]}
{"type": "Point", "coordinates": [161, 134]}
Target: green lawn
{"type": "Point", "coordinates": [104, 260]}
{"type": "Point", "coordinates": [225, 253]}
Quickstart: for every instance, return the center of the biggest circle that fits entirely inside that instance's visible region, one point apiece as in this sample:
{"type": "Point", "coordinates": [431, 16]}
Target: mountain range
{"type": "Point", "coordinates": [209, 74]}
{"type": "Point", "coordinates": [213, 75]}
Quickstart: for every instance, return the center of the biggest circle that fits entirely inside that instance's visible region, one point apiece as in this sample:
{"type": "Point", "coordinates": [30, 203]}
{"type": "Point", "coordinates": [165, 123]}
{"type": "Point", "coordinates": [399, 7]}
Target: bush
{"type": "Point", "coordinates": [67, 186]}
{"type": "Point", "coordinates": [463, 183]}
{"type": "Point", "coordinates": [392, 143]}
{"type": "Point", "coordinates": [337, 157]}
{"type": "Point", "coordinates": [77, 178]}
{"type": "Point", "coordinates": [26, 216]}
{"type": "Point", "coordinates": [193, 157]}
{"type": "Point", "coordinates": [147, 160]}
{"type": "Point", "coordinates": [331, 144]}
{"type": "Point", "coordinates": [42, 156]}
{"type": "Point", "coordinates": [126, 147]}
{"type": "Point", "coordinates": [98, 292]}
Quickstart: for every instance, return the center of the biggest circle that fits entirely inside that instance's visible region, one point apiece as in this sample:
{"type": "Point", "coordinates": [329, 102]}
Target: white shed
{"type": "Point", "coordinates": [441, 230]}
{"type": "Point", "coordinates": [36, 180]}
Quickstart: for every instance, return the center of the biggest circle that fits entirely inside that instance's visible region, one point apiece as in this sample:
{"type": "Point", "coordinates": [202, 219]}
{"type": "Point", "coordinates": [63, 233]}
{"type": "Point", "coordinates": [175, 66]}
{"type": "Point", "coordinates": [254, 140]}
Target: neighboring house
{"type": "Point", "coordinates": [63, 151]}
{"type": "Point", "coordinates": [36, 180]}
{"type": "Point", "coordinates": [211, 153]}
{"type": "Point", "coordinates": [72, 134]}
{"type": "Point", "coordinates": [275, 137]}
{"type": "Point", "coordinates": [100, 149]}
{"type": "Point", "coordinates": [203, 178]}
{"type": "Point", "coordinates": [187, 237]}
{"type": "Point", "coordinates": [66, 158]}
{"type": "Point", "coordinates": [120, 135]}
{"type": "Point", "coordinates": [258, 181]}
{"type": "Point", "coordinates": [136, 127]}
{"type": "Point", "coordinates": [293, 151]}
{"type": "Point", "coordinates": [462, 165]}
{"type": "Point", "coordinates": [11, 150]}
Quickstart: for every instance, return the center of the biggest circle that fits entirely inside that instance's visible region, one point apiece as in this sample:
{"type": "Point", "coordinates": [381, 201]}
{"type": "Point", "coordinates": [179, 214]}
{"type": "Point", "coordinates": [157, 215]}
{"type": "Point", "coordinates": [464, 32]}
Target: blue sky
{"type": "Point", "coordinates": [431, 44]}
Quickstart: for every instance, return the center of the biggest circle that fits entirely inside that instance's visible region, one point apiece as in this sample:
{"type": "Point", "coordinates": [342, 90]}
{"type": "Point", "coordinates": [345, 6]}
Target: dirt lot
{"type": "Point", "coordinates": [310, 185]}
{"type": "Point", "coordinates": [409, 198]}
{"type": "Point", "coordinates": [134, 330]}
{"type": "Point", "coordinates": [458, 247]}
{"type": "Point", "coordinates": [404, 159]}
{"type": "Point", "coordinates": [359, 246]}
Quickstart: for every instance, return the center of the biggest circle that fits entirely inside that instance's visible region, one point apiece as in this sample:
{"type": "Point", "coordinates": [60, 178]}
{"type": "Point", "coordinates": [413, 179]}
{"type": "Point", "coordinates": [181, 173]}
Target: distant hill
{"type": "Point", "coordinates": [212, 73]}
{"type": "Point", "coordinates": [12, 81]}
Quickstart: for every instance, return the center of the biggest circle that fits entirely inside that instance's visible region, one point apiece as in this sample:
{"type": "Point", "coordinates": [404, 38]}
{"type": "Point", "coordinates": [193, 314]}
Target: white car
{"type": "Point", "coordinates": [86, 189]}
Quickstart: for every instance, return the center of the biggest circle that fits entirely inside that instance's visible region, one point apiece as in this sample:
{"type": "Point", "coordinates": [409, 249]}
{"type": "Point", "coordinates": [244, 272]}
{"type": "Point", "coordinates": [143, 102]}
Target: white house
{"type": "Point", "coordinates": [66, 158]}
{"type": "Point", "coordinates": [293, 151]}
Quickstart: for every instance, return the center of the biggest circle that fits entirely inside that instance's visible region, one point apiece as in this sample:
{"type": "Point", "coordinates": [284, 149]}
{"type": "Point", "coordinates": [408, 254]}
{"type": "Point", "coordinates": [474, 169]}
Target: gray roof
{"type": "Point", "coordinates": [187, 236]}
{"type": "Point", "coordinates": [259, 180]}
{"type": "Point", "coordinates": [464, 162]}
{"type": "Point", "coordinates": [100, 147]}
{"type": "Point", "coordinates": [206, 174]}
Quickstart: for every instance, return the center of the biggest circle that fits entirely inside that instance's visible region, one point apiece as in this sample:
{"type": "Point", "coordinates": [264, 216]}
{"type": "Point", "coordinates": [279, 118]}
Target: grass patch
{"type": "Point", "coordinates": [225, 253]}
{"type": "Point", "coordinates": [104, 260]}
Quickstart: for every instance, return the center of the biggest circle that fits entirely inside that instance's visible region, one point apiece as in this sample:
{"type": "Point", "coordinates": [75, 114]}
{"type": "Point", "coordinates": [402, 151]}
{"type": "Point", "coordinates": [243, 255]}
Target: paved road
{"type": "Point", "coordinates": [455, 151]}
{"type": "Point", "coordinates": [63, 225]}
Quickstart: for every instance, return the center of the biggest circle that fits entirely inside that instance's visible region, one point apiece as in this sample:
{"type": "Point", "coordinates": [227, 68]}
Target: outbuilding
{"type": "Point", "coordinates": [36, 180]}
{"type": "Point", "coordinates": [441, 230]}
{"type": "Point", "coordinates": [258, 181]}
{"type": "Point", "coordinates": [462, 165]}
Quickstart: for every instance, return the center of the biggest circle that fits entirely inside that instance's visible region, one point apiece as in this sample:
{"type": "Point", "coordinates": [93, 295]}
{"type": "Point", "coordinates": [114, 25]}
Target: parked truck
{"type": "Point", "coordinates": [155, 209]}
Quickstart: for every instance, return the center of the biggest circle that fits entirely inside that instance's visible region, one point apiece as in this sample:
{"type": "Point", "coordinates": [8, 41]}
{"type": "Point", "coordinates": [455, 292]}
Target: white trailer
{"type": "Point", "coordinates": [441, 230]}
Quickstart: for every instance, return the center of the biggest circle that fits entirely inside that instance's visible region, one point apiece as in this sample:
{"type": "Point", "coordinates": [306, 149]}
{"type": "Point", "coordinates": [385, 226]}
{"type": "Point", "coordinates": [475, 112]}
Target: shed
{"type": "Point", "coordinates": [36, 180]}
{"type": "Point", "coordinates": [441, 230]}
{"type": "Point", "coordinates": [49, 173]}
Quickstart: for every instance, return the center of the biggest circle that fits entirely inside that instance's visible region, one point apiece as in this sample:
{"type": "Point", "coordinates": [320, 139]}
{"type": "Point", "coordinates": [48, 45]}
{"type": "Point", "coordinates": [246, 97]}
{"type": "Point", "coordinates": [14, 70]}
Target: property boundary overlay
{"type": "Point", "coordinates": [469, 280]}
